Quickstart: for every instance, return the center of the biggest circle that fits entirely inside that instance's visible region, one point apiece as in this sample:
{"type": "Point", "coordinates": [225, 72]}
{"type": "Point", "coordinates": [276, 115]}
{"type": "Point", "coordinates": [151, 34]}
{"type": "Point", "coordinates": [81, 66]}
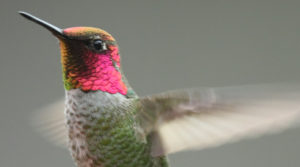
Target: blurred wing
{"type": "Point", "coordinates": [50, 122]}
{"type": "Point", "coordinates": [202, 118]}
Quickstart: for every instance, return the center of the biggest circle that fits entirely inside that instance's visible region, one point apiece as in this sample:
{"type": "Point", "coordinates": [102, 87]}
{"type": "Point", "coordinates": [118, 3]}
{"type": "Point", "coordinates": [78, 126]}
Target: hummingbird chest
{"type": "Point", "coordinates": [103, 132]}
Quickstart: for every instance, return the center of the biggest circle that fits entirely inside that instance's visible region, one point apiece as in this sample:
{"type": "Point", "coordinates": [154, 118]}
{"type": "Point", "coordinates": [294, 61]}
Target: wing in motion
{"type": "Point", "coordinates": [50, 121]}
{"type": "Point", "coordinates": [201, 118]}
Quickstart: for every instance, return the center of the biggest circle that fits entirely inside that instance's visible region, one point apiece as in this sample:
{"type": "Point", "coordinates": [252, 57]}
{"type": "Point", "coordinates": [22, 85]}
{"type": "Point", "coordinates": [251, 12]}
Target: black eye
{"type": "Point", "coordinates": [99, 45]}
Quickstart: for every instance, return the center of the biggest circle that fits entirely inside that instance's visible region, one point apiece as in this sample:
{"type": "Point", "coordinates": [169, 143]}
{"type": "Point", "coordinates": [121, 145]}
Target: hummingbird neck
{"type": "Point", "coordinates": [90, 71]}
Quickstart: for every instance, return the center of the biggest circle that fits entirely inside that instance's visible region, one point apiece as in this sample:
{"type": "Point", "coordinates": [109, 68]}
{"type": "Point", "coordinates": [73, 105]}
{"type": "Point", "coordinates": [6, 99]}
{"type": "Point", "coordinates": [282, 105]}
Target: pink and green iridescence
{"type": "Point", "coordinates": [89, 70]}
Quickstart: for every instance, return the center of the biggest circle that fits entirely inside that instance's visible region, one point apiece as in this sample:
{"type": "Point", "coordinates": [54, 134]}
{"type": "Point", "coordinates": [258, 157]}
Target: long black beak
{"type": "Point", "coordinates": [55, 30]}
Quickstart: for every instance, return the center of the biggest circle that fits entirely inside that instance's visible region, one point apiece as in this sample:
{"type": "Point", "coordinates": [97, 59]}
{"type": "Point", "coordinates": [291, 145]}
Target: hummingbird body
{"type": "Point", "coordinates": [108, 125]}
{"type": "Point", "coordinates": [103, 131]}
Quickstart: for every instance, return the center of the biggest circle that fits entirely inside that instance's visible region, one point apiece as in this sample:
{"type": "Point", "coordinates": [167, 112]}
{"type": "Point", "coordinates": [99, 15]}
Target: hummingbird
{"type": "Point", "coordinates": [106, 124]}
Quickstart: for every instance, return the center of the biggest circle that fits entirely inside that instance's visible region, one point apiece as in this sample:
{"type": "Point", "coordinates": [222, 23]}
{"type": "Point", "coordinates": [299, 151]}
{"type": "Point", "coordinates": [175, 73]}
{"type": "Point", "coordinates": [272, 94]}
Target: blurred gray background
{"type": "Point", "coordinates": [165, 45]}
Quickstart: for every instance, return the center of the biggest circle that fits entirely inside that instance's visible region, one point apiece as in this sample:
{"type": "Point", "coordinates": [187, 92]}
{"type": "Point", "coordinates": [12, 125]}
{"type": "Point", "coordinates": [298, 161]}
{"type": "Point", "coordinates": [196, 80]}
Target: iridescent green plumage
{"type": "Point", "coordinates": [119, 142]}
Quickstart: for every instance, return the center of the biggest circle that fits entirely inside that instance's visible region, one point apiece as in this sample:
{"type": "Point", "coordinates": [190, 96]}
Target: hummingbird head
{"type": "Point", "coordinates": [90, 58]}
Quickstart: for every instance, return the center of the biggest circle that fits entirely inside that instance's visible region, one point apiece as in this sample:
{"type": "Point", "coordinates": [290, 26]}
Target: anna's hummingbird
{"type": "Point", "coordinates": [108, 124]}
